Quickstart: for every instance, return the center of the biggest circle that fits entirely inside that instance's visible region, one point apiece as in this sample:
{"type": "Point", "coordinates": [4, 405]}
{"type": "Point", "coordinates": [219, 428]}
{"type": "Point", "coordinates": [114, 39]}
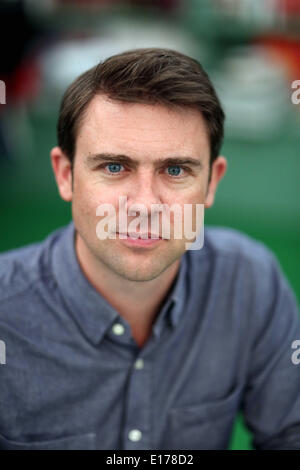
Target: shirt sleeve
{"type": "Point", "coordinates": [271, 399]}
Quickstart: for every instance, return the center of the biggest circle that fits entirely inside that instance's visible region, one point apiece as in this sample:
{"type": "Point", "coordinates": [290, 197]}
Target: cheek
{"type": "Point", "coordinates": [192, 216]}
{"type": "Point", "coordinates": [88, 196]}
{"type": "Point", "coordinates": [197, 195]}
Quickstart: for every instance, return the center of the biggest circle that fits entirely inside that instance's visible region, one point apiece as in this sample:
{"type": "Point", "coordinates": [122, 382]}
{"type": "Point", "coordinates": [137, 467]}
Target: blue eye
{"type": "Point", "coordinates": [175, 170]}
{"type": "Point", "coordinates": [114, 167]}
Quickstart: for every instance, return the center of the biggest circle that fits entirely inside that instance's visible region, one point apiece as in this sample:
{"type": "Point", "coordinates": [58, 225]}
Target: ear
{"type": "Point", "coordinates": [62, 171]}
{"type": "Point", "coordinates": [218, 171]}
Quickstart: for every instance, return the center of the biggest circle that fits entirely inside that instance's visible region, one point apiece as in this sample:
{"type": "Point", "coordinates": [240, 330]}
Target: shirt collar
{"type": "Point", "coordinates": [91, 311]}
{"type": "Point", "coordinates": [179, 291]}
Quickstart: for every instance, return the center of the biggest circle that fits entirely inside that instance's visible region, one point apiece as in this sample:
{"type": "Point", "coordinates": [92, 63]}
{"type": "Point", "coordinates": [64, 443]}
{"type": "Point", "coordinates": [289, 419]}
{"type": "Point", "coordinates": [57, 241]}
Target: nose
{"type": "Point", "coordinates": [144, 200]}
{"type": "Point", "coordinates": [144, 191]}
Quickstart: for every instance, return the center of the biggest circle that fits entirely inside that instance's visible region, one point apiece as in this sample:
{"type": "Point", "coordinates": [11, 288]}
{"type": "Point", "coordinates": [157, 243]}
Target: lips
{"type": "Point", "coordinates": [138, 235]}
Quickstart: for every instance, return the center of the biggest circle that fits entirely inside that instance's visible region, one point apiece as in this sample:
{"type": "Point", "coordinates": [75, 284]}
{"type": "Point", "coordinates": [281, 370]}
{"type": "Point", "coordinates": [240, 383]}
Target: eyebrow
{"type": "Point", "coordinates": [98, 158]}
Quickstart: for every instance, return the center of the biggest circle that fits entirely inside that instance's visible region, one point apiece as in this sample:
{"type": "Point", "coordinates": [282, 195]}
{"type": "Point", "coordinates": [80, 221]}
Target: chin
{"type": "Point", "coordinates": [140, 277]}
{"type": "Point", "coordinates": [143, 271]}
{"type": "Point", "coordinates": [139, 274]}
{"type": "Point", "coordinates": [138, 267]}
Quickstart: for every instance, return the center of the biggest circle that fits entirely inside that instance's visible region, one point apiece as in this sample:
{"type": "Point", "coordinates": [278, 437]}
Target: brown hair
{"type": "Point", "coordinates": [147, 75]}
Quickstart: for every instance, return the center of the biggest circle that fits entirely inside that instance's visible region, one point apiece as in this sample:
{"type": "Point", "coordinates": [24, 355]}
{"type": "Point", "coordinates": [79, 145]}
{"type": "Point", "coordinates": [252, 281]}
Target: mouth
{"type": "Point", "coordinates": [140, 240]}
{"type": "Point", "coordinates": [140, 236]}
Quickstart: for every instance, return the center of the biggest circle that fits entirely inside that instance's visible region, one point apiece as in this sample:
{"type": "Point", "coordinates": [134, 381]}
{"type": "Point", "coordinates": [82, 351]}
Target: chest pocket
{"type": "Point", "coordinates": [204, 426]}
{"type": "Point", "coordinates": [76, 442]}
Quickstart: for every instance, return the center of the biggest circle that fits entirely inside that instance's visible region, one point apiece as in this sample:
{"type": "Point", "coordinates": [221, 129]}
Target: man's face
{"type": "Point", "coordinates": [148, 134]}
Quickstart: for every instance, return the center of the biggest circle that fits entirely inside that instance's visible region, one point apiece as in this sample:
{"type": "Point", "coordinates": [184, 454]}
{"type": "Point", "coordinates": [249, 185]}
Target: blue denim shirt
{"type": "Point", "coordinates": [74, 377]}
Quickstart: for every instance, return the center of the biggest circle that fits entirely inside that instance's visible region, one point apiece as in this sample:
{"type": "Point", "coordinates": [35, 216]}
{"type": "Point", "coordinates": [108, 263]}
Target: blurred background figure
{"type": "Point", "coordinates": [250, 49]}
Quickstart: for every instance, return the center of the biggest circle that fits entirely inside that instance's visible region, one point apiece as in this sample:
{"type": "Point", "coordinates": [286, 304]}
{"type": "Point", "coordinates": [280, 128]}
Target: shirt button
{"type": "Point", "coordinates": [118, 329]}
{"type": "Point", "coordinates": [135, 435]}
{"type": "Point", "coordinates": [139, 364]}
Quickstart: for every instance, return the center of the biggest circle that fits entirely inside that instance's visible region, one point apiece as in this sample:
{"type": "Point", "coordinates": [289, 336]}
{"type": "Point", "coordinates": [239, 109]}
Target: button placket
{"type": "Point", "coordinates": [138, 405]}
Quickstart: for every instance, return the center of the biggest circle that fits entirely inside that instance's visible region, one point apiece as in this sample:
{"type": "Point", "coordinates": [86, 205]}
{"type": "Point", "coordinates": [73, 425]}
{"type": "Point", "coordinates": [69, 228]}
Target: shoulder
{"type": "Point", "coordinates": [242, 267]}
{"type": "Point", "coordinates": [232, 243]}
{"type": "Point", "coordinates": [247, 275]}
{"type": "Point", "coordinates": [236, 258]}
{"type": "Point", "coordinates": [24, 267]}
{"type": "Point", "coordinates": [231, 247]}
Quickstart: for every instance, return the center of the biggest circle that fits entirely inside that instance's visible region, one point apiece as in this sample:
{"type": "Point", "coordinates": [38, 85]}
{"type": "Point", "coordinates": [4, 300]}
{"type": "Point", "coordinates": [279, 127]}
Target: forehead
{"type": "Point", "coordinates": [138, 129]}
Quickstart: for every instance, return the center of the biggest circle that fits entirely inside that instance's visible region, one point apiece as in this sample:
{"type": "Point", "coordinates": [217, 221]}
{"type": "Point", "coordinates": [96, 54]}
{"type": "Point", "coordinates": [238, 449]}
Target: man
{"type": "Point", "coordinates": [140, 343]}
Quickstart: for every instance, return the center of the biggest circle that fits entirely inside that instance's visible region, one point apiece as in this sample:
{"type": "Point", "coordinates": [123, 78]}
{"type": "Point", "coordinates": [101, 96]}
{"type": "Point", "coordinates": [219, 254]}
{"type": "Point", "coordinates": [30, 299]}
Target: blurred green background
{"type": "Point", "coordinates": [260, 192]}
